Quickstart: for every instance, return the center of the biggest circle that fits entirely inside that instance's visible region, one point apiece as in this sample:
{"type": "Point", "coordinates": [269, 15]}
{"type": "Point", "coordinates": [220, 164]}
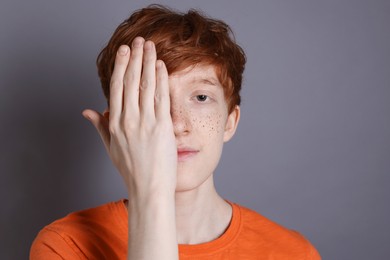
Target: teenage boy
{"type": "Point", "coordinates": [172, 83]}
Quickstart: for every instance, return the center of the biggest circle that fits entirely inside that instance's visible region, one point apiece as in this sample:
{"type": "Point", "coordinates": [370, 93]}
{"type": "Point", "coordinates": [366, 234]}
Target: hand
{"type": "Point", "coordinates": [138, 132]}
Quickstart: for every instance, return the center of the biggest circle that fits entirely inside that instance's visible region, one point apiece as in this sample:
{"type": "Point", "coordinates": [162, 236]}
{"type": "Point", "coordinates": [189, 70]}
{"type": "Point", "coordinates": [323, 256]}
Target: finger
{"type": "Point", "coordinates": [132, 79]}
{"type": "Point", "coordinates": [116, 84]}
{"type": "Point", "coordinates": [101, 125]}
{"type": "Point", "coordinates": [162, 101]}
{"type": "Point", "coordinates": [148, 81]}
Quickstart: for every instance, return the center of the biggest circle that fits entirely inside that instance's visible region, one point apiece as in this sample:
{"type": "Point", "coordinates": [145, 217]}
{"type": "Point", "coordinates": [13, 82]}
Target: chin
{"type": "Point", "coordinates": [190, 181]}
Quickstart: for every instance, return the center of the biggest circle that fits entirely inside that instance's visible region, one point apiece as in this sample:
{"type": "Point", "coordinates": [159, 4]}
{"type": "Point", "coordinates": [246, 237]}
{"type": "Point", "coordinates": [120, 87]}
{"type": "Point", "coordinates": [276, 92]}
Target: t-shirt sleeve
{"type": "Point", "coordinates": [314, 255]}
{"type": "Point", "coordinates": [50, 244]}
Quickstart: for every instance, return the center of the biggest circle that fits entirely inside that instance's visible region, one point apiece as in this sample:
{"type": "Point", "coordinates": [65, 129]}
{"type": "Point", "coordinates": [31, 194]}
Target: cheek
{"type": "Point", "coordinates": [208, 125]}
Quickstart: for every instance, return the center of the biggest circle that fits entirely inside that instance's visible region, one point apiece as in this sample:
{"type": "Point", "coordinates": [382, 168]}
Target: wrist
{"type": "Point", "coordinates": [150, 199]}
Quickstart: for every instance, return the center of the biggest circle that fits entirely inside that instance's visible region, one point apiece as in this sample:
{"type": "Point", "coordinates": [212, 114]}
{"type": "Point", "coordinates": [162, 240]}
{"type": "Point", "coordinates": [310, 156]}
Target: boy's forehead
{"type": "Point", "coordinates": [200, 73]}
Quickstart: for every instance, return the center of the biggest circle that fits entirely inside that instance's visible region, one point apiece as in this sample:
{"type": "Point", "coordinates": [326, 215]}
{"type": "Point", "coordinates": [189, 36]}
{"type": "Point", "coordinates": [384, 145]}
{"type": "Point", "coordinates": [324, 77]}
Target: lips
{"type": "Point", "coordinates": [185, 153]}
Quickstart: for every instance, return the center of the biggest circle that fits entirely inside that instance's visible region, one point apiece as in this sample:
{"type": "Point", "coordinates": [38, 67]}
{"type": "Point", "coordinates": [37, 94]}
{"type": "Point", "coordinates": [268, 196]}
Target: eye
{"type": "Point", "coordinates": [201, 98]}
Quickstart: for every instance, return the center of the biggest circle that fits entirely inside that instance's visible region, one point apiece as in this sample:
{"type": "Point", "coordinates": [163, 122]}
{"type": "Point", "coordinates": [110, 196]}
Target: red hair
{"type": "Point", "coordinates": [182, 40]}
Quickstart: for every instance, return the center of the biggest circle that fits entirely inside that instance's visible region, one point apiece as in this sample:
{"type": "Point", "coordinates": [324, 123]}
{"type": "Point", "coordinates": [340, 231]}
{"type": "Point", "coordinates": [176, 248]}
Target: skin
{"type": "Point", "coordinates": [154, 120]}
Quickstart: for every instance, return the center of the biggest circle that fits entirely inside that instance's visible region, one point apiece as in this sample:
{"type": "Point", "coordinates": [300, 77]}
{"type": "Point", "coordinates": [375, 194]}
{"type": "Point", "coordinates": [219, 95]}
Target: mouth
{"type": "Point", "coordinates": [184, 154]}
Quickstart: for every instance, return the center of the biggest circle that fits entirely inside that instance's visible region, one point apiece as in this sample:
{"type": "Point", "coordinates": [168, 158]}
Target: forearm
{"type": "Point", "coordinates": [152, 228]}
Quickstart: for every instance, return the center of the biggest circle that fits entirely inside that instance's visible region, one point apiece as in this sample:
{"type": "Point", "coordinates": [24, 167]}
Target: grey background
{"type": "Point", "coordinates": [313, 146]}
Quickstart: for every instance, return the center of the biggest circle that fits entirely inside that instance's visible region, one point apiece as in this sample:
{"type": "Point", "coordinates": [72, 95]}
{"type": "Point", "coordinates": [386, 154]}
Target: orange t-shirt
{"type": "Point", "coordinates": [101, 233]}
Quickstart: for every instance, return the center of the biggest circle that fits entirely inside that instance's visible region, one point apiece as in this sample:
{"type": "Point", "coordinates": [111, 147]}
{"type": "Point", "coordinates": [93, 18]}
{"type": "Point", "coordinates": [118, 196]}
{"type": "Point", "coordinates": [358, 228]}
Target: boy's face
{"type": "Point", "coordinates": [201, 123]}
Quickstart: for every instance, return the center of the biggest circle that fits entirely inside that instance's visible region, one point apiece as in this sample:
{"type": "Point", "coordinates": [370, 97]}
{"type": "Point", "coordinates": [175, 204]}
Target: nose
{"type": "Point", "coordinates": [180, 119]}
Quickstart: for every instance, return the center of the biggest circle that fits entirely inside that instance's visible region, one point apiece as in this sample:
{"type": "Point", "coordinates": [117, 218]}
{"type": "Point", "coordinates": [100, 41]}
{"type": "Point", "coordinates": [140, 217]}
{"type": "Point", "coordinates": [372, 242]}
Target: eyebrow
{"type": "Point", "coordinates": [208, 81]}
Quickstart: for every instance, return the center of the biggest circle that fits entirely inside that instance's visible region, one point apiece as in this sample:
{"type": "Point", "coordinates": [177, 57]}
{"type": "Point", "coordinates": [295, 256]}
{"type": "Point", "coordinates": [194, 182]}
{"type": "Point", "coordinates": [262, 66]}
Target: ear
{"type": "Point", "coordinates": [106, 113]}
{"type": "Point", "coordinates": [231, 124]}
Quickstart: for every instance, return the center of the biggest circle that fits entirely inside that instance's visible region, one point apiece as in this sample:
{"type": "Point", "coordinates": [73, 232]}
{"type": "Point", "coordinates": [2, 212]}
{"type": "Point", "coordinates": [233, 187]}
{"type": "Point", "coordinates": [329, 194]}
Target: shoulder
{"type": "Point", "coordinates": [261, 230]}
{"type": "Point", "coordinates": [88, 219]}
{"type": "Point", "coordinates": [252, 220]}
{"type": "Point", "coordinates": [81, 231]}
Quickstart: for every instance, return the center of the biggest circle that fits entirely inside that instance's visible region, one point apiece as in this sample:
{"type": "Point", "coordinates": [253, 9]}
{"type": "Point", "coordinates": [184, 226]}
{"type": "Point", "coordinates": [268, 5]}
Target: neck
{"type": "Point", "coordinates": [201, 214]}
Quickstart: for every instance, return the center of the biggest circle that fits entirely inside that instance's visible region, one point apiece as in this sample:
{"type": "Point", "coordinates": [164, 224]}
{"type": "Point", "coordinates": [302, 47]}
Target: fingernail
{"type": "Point", "coordinates": [159, 64]}
{"type": "Point", "coordinates": [148, 45]}
{"type": "Point", "coordinates": [138, 42]}
{"type": "Point", "coordinates": [86, 117]}
{"type": "Point", "coordinates": [123, 50]}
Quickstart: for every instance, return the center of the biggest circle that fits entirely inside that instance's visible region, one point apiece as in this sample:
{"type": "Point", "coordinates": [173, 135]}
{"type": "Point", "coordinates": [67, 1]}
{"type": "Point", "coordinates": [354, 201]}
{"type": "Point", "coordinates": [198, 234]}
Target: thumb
{"type": "Point", "coordinates": [100, 123]}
